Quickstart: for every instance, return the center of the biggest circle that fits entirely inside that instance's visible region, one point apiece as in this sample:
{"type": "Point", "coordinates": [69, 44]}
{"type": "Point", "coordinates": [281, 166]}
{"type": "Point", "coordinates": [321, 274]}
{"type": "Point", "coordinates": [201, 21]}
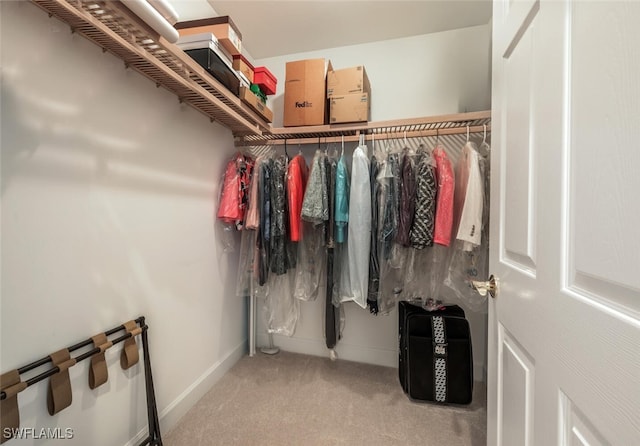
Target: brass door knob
{"type": "Point", "coordinates": [490, 286]}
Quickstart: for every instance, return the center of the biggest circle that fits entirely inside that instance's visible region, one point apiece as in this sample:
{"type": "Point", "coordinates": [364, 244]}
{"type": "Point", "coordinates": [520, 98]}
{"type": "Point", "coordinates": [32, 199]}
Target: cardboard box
{"type": "Point", "coordinates": [265, 80]}
{"type": "Point", "coordinates": [222, 27]}
{"type": "Point", "coordinates": [347, 81]}
{"type": "Point", "coordinates": [350, 108]}
{"type": "Point", "coordinates": [240, 63]}
{"type": "Point", "coordinates": [256, 104]}
{"type": "Point", "coordinates": [305, 93]}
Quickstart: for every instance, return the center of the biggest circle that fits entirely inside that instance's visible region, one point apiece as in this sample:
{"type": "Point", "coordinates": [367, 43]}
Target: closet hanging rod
{"type": "Point", "coordinates": [82, 357]}
{"type": "Point", "coordinates": [380, 134]}
{"type": "Point", "coordinates": [426, 125]}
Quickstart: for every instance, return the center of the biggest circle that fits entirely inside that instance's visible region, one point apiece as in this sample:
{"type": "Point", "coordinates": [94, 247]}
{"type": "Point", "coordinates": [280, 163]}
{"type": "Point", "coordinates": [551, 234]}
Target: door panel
{"type": "Point", "coordinates": [518, 202]}
{"type": "Point", "coordinates": [515, 383]}
{"type": "Point", "coordinates": [564, 330]}
{"type": "Point", "coordinates": [603, 118]}
{"type": "Point", "coordinates": [514, 18]}
{"type": "Point", "coordinates": [575, 430]}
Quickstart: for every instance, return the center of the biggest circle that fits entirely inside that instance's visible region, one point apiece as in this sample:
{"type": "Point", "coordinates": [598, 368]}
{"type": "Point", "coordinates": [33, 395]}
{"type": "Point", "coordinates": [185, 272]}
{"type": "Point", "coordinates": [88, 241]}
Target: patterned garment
{"type": "Point", "coordinates": [278, 208]}
{"type": "Point", "coordinates": [424, 217]}
{"type": "Point", "coordinates": [374, 266]}
{"type": "Point", "coordinates": [315, 205]}
{"type": "Point", "coordinates": [407, 199]}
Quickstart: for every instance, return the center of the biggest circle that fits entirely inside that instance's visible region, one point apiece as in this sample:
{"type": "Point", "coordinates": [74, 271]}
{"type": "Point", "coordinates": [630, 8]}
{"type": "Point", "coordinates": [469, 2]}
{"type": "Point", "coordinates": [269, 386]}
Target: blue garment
{"type": "Point", "coordinates": [342, 200]}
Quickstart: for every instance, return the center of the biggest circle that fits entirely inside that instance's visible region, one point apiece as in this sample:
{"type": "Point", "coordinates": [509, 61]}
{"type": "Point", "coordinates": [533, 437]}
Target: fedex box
{"type": "Point", "coordinates": [305, 93]}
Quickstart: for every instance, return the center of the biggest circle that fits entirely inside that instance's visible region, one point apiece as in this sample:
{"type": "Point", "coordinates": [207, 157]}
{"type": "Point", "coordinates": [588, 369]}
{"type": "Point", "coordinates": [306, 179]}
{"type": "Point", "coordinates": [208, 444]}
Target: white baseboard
{"type": "Point", "coordinates": [171, 414]}
{"type": "Point", "coordinates": [349, 352]}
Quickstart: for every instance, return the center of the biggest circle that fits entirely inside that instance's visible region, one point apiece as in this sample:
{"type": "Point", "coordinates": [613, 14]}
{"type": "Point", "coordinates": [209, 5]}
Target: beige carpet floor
{"type": "Point", "coordinates": [292, 399]}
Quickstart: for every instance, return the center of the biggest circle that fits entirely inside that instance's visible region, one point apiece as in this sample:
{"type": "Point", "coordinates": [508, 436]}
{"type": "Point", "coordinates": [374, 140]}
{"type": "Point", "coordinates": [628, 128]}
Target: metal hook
{"type": "Point", "coordinates": [342, 152]}
{"type": "Point", "coordinates": [484, 136]}
{"type": "Point", "coordinates": [467, 132]}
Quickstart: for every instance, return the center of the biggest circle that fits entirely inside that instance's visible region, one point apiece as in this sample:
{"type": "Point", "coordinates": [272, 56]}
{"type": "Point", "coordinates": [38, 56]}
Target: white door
{"type": "Point", "coordinates": [564, 330]}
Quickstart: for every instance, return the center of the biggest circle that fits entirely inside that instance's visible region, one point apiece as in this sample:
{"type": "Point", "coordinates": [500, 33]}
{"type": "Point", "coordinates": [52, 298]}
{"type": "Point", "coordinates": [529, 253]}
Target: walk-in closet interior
{"type": "Point", "coordinates": [112, 170]}
{"type": "Point", "coordinates": [207, 274]}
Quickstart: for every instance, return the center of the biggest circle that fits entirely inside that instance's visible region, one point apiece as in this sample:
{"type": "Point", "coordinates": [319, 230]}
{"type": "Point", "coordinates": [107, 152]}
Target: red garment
{"type": "Point", "coordinates": [444, 201]}
{"type": "Point", "coordinates": [297, 175]}
{"type": "Point", "coordinates": [235, 190]}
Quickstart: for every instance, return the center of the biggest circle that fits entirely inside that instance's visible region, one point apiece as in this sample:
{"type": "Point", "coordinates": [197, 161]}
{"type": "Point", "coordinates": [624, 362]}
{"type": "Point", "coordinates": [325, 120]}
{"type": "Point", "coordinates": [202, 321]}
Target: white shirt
{"type": "Point", "coordinates": [470, 227]}
{"type": "Point", "coordinates": [355, 276]}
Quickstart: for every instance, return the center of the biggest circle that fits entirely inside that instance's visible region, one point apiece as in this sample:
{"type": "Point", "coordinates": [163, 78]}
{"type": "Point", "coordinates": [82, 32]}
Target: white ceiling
{"type": "Point", "coordinates": [274, 28]}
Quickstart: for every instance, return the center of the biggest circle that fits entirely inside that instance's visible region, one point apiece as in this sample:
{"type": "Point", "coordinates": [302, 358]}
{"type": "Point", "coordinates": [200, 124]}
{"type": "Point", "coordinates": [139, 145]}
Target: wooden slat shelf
{"type": "Point", "coordinates": [413, 127]}
{"type": "Point", "coordinates": [114, 28]}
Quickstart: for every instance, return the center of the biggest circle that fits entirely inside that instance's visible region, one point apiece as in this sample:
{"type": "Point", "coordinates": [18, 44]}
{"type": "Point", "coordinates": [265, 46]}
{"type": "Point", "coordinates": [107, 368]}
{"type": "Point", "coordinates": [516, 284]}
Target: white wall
{"type": "Point", "coordinates": [109, 189]}
{"type": "Point", "coordinates": [432, 74]}
{"type": "Point", "coordinates": [426, 75]}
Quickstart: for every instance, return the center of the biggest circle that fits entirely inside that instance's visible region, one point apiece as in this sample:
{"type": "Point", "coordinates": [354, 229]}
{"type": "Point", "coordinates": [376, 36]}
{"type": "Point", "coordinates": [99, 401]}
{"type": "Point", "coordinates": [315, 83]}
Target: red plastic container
{"type": "Point", "coordinates": [265, 80]}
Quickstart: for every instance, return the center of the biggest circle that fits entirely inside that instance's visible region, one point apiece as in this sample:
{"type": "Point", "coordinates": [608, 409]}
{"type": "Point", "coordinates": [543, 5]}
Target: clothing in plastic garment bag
{"type": "Point", "coordinates": [407, 198]}
{"type": "Point", "coordinates": [424, 216]}
{"type": "Point", "coordinates": [359, 233]}
{"type": "Point", "coordinates": [389, 251]}
{"type": "Point", "coordinates": [332, 313]}
{"type": "Point", "coordinates": [235, 190]}
{"type": "Point", "coordinates": [373, 291]}
{"type": "Point", "coordinates": [297, 175]}
{"type": "Point", "coordinates": [469, 251]}
{"type": "Point", "coordinates": [469, 256]}
{"type": "Point", "coordinates": [312, 251]}
{"type": "Point", "coordinates": [340, 210]}
{"type": "Point", "coordinates": [341, 200]}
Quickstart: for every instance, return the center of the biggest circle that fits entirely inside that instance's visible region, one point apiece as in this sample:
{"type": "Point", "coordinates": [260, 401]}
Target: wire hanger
{"type": "Point", "coordinates": [286, 154]}
{"type": "Point", "coordinates": [484, 135]}
{"type": "Point", "coordinates": [342, 152]}
{"type": "Point", "coordinates": [467, 132]}
{"type": "Point", "coordinates": [373, 142]}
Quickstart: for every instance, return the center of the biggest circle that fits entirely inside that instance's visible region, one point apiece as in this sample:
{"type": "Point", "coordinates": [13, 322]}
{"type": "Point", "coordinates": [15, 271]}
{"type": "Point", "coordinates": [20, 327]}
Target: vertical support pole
{"type": "Point", "coordinates": [252, 325]}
